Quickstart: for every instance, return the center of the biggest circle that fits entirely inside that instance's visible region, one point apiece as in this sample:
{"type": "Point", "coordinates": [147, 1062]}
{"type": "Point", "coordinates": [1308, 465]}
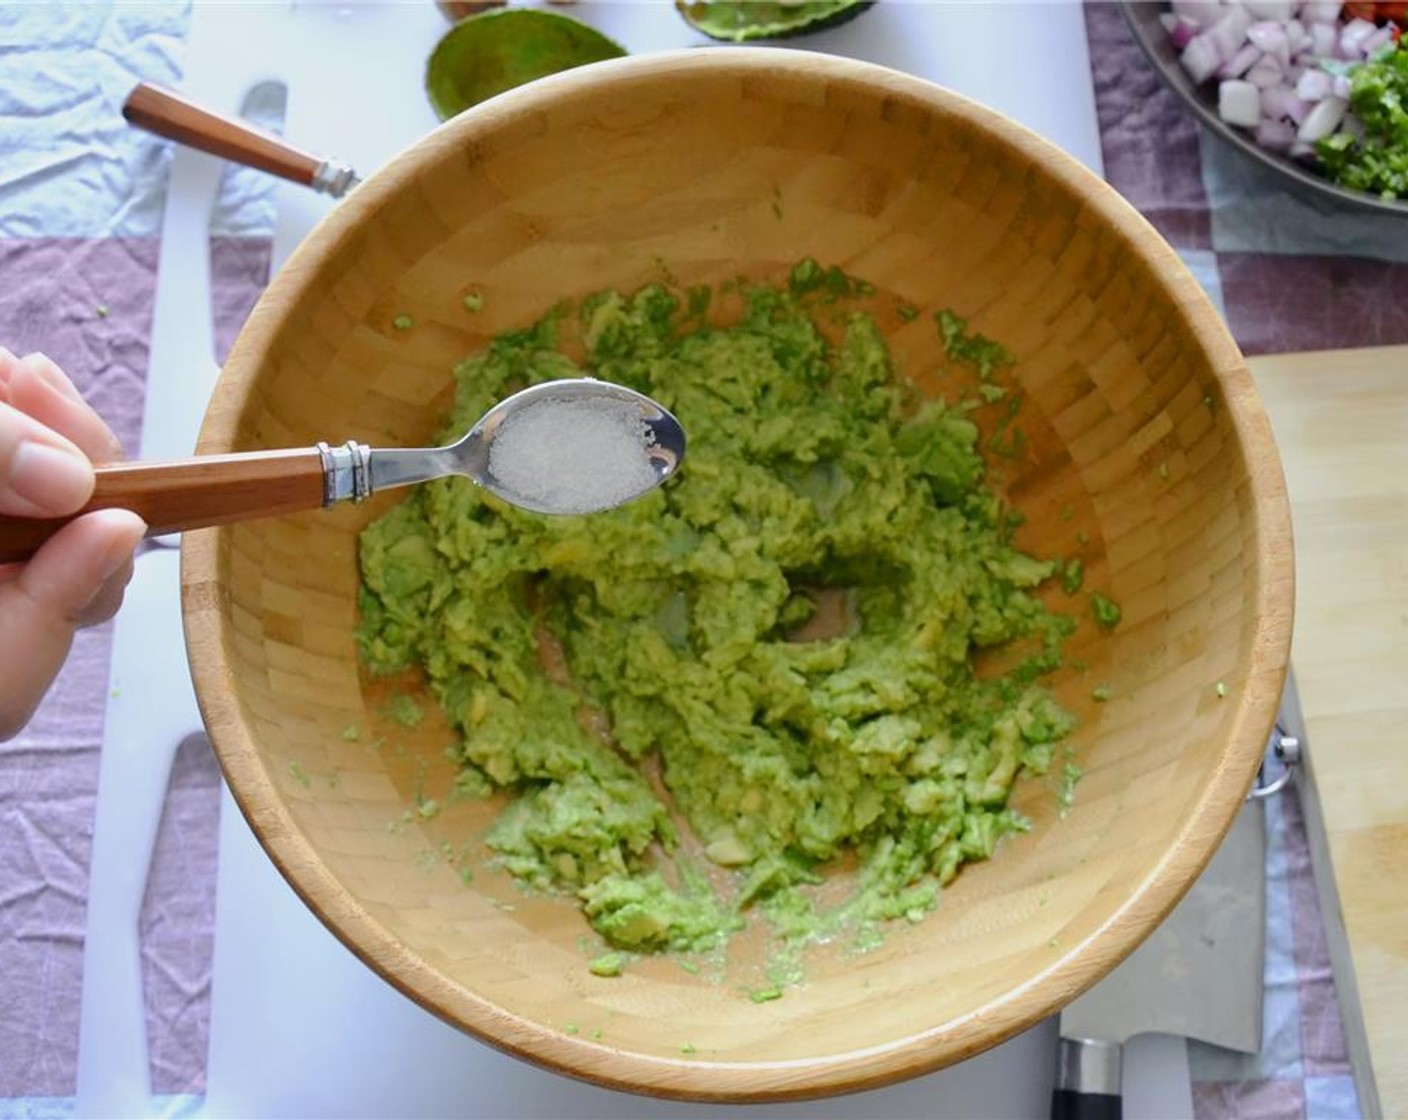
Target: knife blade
{"type": "Point", "coordinates": [1199, 975]}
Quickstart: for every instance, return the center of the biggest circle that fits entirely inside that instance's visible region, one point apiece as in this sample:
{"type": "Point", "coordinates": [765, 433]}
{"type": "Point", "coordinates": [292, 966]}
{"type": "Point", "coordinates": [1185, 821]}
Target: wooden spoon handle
{"type": "Point", "coordinates": [187, 494]}
{"type": "Point", "coordinates": [168, 114]}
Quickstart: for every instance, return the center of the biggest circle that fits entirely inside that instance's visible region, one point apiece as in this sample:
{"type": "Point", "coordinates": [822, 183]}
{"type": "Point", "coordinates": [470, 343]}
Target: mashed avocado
{"type": "Point", "coordinates": [689, 622]}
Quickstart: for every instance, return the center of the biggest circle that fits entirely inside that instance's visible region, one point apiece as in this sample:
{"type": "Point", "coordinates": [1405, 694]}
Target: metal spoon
{"type": "Point", "coordinates": [220, 489]}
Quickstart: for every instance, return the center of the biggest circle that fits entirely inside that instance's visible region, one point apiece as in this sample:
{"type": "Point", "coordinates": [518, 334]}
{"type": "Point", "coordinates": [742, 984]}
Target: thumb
{"type": "Point", "coordinates": [42, 606]}
{"type": "Point", "coordinates": [42, 474]}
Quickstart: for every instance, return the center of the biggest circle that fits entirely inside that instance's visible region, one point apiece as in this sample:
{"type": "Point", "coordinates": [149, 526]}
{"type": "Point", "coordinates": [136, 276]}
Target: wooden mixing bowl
{"type": "Point", "coordinates": [1144, 434]}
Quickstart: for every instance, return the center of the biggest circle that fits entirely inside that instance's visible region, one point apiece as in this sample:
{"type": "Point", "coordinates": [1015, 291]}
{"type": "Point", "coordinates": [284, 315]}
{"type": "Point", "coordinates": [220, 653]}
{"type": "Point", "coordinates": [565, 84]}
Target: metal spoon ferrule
{"type": "Point", "coordinates": [346, 472]}
{"type": "Point", "coordinates": [334, 178]}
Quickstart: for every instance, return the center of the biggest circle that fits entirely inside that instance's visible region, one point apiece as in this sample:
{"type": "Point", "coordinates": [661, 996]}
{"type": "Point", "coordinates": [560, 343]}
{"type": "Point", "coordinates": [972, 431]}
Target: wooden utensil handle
{"type": "Point", "coordinates": [168, 114]}
{"type": "Point", "coordinates": [187, 494]}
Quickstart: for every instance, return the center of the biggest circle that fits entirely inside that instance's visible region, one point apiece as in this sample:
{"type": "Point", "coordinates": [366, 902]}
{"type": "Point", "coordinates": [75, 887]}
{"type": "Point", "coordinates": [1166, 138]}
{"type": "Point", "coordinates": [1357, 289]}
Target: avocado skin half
{"type": "Point", "coordinates": [741, 21]}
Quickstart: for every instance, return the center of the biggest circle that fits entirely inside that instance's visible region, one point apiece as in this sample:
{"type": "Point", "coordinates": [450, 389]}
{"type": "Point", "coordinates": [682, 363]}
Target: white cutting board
{"type": "Point", "coordinates": [299, 1027]}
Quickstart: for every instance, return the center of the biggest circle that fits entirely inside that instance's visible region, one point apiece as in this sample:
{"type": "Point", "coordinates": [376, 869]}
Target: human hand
{"type": "Point", "coordinates": [49, 440]}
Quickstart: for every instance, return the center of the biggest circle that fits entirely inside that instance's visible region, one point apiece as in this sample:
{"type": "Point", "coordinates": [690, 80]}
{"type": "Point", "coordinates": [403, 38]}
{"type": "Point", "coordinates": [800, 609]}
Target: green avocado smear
{"type": "Point", "coordinates": [775, 650]}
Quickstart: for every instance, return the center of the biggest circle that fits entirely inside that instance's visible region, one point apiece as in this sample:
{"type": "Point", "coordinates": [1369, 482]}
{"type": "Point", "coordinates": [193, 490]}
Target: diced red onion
{"type": "Point", "coordinates": [1323, 39]}
{"type": "Point", "coordinates": [1266, 72]}
{"type": "Point", "coordinates": [1382, 36]}
{"type": "Point", "coordinates": [1239, 63]}
{"type": "Point", "coordinates": [1239, 103]}
{"type": "Point", "coordinates": [1267, 36]}
{"type": "Point", "coordinates": [1181, 29]}
{"type": "Point", "coordinates": [1275, 62]}
{"type": "Point", "coordinates": [1352, 37]}
{"type": "Point", "coordinates": [1276, 135]}
{"type": "Point", "coordinates": [1314, 85]}
{"type": "Point", "coordinates": [1201, 12]}
{"type": "Point", "coordinates": [1322, 121]}
{"type": "Point", "coordinates": [1228, 33]}
{"type": "Point", "coordinates": [1320, 11]}
{"type": "Point", "coordinates": [1281, 101]}
{"type": "Point", "coordinates": [1200, 58]}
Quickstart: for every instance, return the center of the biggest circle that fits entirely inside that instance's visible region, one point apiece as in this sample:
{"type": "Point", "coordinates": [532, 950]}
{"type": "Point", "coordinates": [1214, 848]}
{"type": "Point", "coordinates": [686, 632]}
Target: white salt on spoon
{"type": "Point", "coordinates": [572, 446]}
{"type": "Point", "coordinates": [574, 454]}
{"type": "Point", "coordinates": [568, 447]}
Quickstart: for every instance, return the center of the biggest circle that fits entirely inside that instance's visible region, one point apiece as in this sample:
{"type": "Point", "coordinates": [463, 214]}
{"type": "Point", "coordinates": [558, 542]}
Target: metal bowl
{"type": "Point", "coordinates": [1149, 33]}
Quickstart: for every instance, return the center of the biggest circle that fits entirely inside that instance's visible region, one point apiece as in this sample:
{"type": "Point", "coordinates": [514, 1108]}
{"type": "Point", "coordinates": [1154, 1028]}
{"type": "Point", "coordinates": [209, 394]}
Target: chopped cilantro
{"type": "Point", "coordinates": [1377, 162]}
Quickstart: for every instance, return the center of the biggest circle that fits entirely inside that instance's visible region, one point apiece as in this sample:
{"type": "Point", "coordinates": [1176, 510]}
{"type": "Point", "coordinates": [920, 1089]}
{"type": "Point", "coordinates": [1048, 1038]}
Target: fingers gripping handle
{"type": "Point", "coordinates": [187, 494]}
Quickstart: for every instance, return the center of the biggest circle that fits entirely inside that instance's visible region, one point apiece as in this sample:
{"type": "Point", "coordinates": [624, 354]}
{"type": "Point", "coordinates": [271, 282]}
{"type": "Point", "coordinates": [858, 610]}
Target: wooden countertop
{"type": "Point", "coordinates": [1341, 420]}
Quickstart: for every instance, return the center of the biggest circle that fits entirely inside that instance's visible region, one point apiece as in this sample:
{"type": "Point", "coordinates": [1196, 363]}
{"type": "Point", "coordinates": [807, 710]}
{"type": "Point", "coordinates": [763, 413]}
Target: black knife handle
{"type": "Point", "coordinates": [1089, 1072]}
{"type": "Point", "coordinates": [1069, 1104]}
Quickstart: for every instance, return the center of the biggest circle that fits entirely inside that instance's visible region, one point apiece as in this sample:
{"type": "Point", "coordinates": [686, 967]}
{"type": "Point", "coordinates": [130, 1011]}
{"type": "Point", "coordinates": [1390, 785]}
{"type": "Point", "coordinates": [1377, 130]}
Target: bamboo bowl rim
{"type": "Point", "coordinates": [923, 1051]}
